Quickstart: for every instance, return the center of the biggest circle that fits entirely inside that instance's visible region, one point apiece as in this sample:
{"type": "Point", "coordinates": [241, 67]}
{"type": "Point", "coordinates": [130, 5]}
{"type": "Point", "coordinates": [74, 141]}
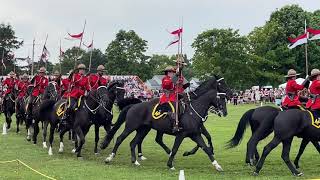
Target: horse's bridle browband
{"type": "Point", "coordinates": [220, 79]}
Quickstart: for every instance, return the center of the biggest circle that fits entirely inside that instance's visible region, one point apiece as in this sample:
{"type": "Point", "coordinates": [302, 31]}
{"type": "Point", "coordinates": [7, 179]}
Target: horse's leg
{"type": "Point", "coordinates": [62, 132]}
{"type": "Point", "coordinates": [303, 145]}
{"type": "Point", "coordinates": [200, 142]}
{"type": "Point", "coordinates": [44, 133]}
{"type": "Point", "coordinates": [18, 119]}
{"type": "Point", "coordinates": [266, 150]}
{"type": "Point", "coordinates": [316, 145]}
{"type": "Point", "coordinates": [159, 140]}
{"type": "Point", "coordinates": [96, 132]}
{"type": "Point", "coordinates": [260, 134]}
{"type": "Point", "coordinates": [51, 136]}
{"type": "Point", "coordinates": [285, 156]}
{"type": "Point", "coordinates": [177, 142]}
{"type": "Point", "coordinates": [195, 149]}
{"type": "Point", "coordinates": [120, 139]}
{"type": "Point", "coordinates": [35, 131]}
{"type": "Point", "coordinates": [81, 140]}
{"type": "Point", "coordinates": [140, 135]}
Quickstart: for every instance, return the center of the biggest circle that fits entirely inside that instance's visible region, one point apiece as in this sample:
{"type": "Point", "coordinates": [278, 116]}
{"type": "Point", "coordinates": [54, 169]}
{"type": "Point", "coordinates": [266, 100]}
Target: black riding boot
{"type": "Point", "coordinates": [176, 126]}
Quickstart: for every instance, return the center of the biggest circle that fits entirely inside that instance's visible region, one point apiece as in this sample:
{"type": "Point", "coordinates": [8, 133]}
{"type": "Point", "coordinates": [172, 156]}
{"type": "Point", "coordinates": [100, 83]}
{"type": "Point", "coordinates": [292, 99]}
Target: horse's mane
{"type": "Point", "coordinates": [205, 85]}
{"type": "Point", "coordinates": [127, 101]}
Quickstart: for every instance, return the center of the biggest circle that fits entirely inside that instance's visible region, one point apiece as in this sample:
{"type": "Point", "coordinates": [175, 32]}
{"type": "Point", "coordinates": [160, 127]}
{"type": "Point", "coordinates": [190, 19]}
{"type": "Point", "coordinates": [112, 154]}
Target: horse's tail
{"type": "Point", "coordinates": [242, 125]}
{"type": "Point", "coordinates": [121, 119]}
{"type": "Point", "coordinates": [45, 108]}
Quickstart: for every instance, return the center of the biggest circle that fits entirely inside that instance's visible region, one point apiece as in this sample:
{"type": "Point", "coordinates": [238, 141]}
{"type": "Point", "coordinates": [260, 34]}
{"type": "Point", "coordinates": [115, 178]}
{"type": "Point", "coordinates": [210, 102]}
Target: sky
{"type": "Point", "coordinates": [150, 19]}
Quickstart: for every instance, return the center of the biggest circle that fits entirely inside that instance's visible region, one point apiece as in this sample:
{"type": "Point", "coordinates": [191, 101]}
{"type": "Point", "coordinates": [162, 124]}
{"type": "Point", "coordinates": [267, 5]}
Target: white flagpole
{"type": "Point", "coordinates": [32, 65]}
{"type": "Point", "coordinates": [60, 56]}
{"type": "Point", "coordinates": [2, 65]}
{"type": "Point", "coordinates": [91, 52]}
{"type": "Point", "coordinates": [306, 46]}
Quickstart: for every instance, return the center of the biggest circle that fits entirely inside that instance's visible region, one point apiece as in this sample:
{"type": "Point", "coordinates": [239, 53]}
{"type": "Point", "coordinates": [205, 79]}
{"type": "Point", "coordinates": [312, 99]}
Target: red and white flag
{"type": "Point", "coordinates": [294, 42]}
{"type": "Point", "coordinates": [177, 35]}
{"type": "Point", "coordinates": [315, 33]}
{"type": "Point", "coordinates": [89, 46]}
{"type": "Point", "coordinates": [45, 54]}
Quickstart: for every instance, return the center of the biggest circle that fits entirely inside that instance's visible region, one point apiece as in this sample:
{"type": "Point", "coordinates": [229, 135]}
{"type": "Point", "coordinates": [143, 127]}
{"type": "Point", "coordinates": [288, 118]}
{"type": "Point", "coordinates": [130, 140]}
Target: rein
{"type": "Point", "coordinates": [98, 101]}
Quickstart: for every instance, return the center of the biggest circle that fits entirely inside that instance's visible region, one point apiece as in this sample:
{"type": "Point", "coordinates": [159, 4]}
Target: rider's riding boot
{"type": "Point", "coordinates": [176, 127]}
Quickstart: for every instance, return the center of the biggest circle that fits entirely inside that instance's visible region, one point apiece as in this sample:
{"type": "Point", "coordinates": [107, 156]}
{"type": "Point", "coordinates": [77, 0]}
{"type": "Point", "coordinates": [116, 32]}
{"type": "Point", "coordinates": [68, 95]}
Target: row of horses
{"type": "Point", "coordinates": [96, 109]}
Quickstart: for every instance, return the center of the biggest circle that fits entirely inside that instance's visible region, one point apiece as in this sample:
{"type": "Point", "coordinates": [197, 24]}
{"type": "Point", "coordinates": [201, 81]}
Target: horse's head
{"type": "Point", "coordinates": [51, 92]}
{"type": "Point", "coordinates": [223, 87]}
{"type": "Point", "coordinates": [116, 90]}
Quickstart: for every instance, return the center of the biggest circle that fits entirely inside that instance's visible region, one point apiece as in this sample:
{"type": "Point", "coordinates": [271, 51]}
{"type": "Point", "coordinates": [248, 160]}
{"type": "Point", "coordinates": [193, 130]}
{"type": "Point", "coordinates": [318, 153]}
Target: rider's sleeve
{"type": "Point", "coordinates": [297, 86]}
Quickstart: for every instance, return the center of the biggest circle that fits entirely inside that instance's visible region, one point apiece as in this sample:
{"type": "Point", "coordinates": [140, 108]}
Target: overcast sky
{"type": "Point", "coordinates": [148, 18]}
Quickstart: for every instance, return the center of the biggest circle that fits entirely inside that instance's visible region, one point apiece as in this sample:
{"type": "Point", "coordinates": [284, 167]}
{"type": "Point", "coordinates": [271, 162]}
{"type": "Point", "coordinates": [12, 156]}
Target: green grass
{"type": "Point", "coordinates": [66, 165]}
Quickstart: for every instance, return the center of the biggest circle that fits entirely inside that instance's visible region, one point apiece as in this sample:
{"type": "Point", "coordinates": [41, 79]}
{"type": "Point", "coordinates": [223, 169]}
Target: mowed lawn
{"type": "Point", "coordinates": [67, 166]}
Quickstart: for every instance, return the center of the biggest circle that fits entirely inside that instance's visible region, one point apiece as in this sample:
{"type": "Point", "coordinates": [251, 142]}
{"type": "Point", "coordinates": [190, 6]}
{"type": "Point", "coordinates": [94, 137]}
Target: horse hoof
{"type": "Point", "coordinates": [299, 174]}
{"type": "Point", "coordinates": [172, 169]}
{"type": "Point", "coordinates": [60, 150]}
{"type": "Point", "coordinates": [108, 160]}
{"type": "Point", "coordinates": [217, 166]}
{"type": "Point", "coordinates": [96, 154]}
{"type": "Point", "coordinates": [4, 133]}
{"type": "Point", "coordinates": [73, 151]}
{"type": "Point", "coordinates": [255, 173]}
{"type": "Point", "coordinates": [44, 145]}
{"type": "Point", "coordinates": [28, 139]}
{"type": "Point", "coordinates": [142, 158]}
{"type": "Point", "coordinates": [80, 158]}
{"type": "Point", "coordinates": [136, 163]}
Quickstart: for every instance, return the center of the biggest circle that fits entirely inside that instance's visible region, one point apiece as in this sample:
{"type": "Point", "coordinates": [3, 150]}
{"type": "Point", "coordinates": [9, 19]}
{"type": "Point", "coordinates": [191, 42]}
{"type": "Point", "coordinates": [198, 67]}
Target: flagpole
{"type": "Point", "coordinates": [75, 61]}
{"type": "Point", "coordinates": [2, 62]}
{"type": "Point", "coordinates": [306, 46]}
{"type": "Point", "coordinates": [45, 43]}
{"type": "Point", "coordinates": [32, 65]}
{"type": "Point", "coordinates": [181, 36]}
{"type": "Point", "coordinates": [60, 56]}
{"type": "Point", "coordinates": [91, 52]}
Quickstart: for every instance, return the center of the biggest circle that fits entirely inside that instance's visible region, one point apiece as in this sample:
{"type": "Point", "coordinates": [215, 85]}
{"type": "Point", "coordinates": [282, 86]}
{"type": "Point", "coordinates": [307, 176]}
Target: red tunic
{"type": "Point", "coordinates": [292, 88]}
{"type": "Point", "coordinates": [167, 85]}
{"type": "Point", "coordinates": [315, 90]}
{"type": "Point", "coordinates": [95, 80]}
{"type": "Point", "coordinates": [65, 87]}
{"type": "Point", "coordinates": [79, 85]}
{"type": "Point", "coordinates": [10, 83]}
{"type": "Point", "coordinates": [40, 83]}
{"type": "Point", "coordinates": [23, 87]}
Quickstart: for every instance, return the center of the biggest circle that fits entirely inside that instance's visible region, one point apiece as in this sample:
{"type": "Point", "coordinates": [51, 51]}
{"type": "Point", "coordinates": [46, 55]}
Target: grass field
{"type": "Point", "coordinates": [66, 165]}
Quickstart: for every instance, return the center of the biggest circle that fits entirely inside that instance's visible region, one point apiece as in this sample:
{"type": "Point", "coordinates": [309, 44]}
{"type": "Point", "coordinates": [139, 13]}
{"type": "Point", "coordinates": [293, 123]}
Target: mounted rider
{"type": "Point", "coordinates": [291, 100]}
{"type": "Point", "coordinates": [9, 84]}
{"type": "Point", "coordinates": [314, 100]}
{"type": "Point", "coordinates": [96, 80]}
{"type": "Point", "coordinates": [79, 86]}
{"type": "Point", "coordinates": [56, 81]}
{"type": "Point", "coordinates": [173, 86]}
{"type": "Point", "coordinates": [23, 86]}
{"type": "Point", "coordinates": [65, 83]}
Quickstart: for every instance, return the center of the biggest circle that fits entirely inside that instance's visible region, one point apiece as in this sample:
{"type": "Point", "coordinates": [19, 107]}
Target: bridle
{"type": "Point", "coordinates": [99, 101]}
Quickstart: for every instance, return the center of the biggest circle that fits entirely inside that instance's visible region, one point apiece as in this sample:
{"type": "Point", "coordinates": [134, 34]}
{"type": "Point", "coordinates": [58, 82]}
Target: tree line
{"type": "Point", "coordinates": [258, 58]}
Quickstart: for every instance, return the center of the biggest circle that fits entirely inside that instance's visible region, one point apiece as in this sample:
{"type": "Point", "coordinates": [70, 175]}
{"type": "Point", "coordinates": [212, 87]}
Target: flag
{"type": "Point", "coordinates": [294, 42]}
{"type": "Point", "coordinates": [75, 36]}
{"type": "Point", "coordinates": [89, 46]}
{"type": "Point", "coordinates": [27, 59]}
{"type": "Point", "coordinates": [45, 54]}
{"type": "Point", "coordinates": [177, 34]}
{"type": "Point", "coordinates": [315, 33]}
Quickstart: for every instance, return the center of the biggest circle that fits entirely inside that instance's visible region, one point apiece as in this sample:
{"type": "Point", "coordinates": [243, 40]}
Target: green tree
{"type": "Point", "coordinates": [224, 52]}
{"type": "Point", "coordinates": [125, 55]}
{"type": "Point", "coordinates": [69, 57]}
{"type": "Point", "coordinates": [8, 43]}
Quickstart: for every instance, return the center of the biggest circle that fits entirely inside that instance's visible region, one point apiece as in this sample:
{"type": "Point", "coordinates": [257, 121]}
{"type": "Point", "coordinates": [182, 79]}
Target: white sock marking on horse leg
{"type": "Point", "coordinates": [111, 156]}
{"type": "Point", "coordinates": [73, 150]}
{"type": "Point", "coordinates": [44, 144]}
{"type": "Point", "coordinates": [4, 128]}
{"type": "Point", "coordinates": [141, 157]}
{"type": "Point", "coordinates": [50, 151]}
{"type": "Point", "coordinates": [61, 147]}
{"type": "Point", "coordinates": [136, 163]}
{"type": "Point", "coordinates": [217, 166]}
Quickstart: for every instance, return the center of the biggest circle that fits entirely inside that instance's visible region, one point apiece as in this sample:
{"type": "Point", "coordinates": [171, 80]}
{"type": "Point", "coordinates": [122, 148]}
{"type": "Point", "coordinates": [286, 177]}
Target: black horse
{"type": "Point", "coordinates": [96, 109]}
{"type": "Point", "coordinates": [52, 112]}
{"type": "Point", "coordinates": [139, 119]}
{"type": "Point", "coordinates": [261, 122]}
{"type": "Point", "coordinates": [221, 110]}
{"type": "Point", "coordinates": [21, 111]}
{"type": "Point", "coordinates": [302, 124]}
{"type": "Point", "coordinates": [50, 93]}
{"type": "Point", "coordinates": [9, 102]}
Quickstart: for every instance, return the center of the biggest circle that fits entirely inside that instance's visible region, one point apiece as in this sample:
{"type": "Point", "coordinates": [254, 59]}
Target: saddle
{"type": "Point", "coordinates": [314, 114]}
{"type": "Point", "coordinates": [62, 108]}
{"type": "Point", "coordinates": [162, 109]}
